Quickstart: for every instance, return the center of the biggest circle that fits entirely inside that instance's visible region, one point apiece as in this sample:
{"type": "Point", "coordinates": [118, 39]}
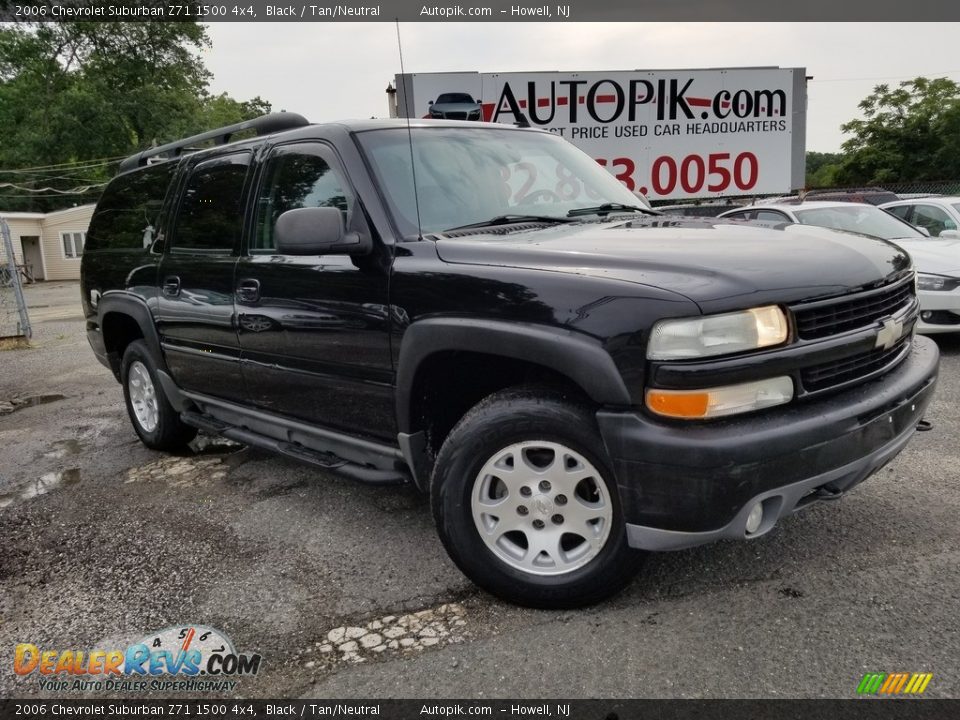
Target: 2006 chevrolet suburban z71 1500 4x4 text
{"type": "Point", "coordinates": [485, 312]}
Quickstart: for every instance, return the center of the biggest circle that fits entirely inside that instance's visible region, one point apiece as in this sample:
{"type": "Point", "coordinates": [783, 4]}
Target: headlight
{"type": "Point", "coordinates": [720, 401]}
{"type": "Point", "coordinates": [937, 282]}
{"type": "Point", "coordinates": [717, 334]}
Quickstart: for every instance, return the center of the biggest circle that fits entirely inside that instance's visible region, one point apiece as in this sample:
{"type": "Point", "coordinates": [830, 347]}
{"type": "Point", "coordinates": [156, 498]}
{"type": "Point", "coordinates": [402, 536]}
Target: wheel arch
{"type": "Point", "coordinates": [125, 317]}
{"type": "Point", "coordinates": [577, 357]}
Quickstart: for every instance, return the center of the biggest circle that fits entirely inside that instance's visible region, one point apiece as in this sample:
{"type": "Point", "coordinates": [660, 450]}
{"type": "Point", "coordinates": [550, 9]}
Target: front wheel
{"type": "Point", "coordinates": [526, 504]}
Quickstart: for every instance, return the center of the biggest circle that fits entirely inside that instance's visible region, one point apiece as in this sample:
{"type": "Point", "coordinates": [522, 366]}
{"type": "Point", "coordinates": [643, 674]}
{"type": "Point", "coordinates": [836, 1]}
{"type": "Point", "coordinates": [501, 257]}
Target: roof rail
{"type": "Point", "coordinates": [264, 125]}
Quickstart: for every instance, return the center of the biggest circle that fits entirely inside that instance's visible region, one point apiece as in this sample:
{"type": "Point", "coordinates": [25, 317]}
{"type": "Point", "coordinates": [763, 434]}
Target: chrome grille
{"type": "Point", "coordinates": [832, 317]}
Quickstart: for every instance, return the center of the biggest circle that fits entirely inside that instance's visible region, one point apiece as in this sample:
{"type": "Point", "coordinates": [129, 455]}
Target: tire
{"type": "Point", "coordinates": [155, 421]}
{"type": "Point", "coordinates": [579, 554]}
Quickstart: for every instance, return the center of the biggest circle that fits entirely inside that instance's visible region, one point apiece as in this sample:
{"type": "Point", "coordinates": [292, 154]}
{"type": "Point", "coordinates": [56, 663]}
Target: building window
{"type": "Point", "coordinates": [72, 244]}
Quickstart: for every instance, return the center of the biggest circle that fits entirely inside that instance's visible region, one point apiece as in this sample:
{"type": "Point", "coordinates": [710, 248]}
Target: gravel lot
{"type": "Point", "coordinates": [102, 541]}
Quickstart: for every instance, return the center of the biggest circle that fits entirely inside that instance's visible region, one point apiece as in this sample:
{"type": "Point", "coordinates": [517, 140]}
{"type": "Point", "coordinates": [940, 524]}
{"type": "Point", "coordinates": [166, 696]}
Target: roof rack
{"type": "Point", "coordinates": [264, 125]}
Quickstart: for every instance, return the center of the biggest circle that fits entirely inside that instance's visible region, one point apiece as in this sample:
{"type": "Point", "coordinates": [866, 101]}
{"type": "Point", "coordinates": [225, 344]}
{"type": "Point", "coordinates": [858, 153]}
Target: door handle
{"type": "Point", "coordinates": [248, 290]}
{"type": "Point", "coordinates": [171, 286]}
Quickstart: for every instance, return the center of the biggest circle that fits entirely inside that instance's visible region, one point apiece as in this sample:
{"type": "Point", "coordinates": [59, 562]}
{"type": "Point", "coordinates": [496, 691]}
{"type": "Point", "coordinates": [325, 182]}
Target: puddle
{"type": "Point", "coordinates": [41, 486]}
{"type": "Point", "coordinates": [62, 448]}
{"type": "Point", "coordinates": [389, 636]}
{"type": "Point", "coordinates": [18, 403]}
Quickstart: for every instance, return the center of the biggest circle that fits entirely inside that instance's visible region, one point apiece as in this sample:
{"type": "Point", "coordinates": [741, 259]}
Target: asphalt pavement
{"type": "Point", "coordinates": [103, 542]}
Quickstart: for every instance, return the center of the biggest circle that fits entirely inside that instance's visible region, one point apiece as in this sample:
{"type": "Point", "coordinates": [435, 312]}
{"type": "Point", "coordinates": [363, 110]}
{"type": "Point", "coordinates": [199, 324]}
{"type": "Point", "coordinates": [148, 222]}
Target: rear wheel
{"type": "Point", "coordinates": [156, 421]}
{"type": "Point", "coordinates": [526, 504]}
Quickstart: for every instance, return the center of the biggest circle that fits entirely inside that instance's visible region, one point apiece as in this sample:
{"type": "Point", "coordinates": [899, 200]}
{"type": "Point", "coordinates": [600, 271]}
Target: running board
{"type": "Point", "coordinates": [326, 460]}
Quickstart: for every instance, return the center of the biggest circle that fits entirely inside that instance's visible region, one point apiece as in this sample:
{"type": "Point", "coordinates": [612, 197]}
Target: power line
{"type": "Point", "coordinates": [80, 189]}
{"type": "Point", "coordinates": [73, 165]}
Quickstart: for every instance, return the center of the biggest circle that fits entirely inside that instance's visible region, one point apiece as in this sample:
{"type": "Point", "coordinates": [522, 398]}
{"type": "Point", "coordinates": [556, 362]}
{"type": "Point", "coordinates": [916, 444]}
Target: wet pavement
{"type": "Point", "coordinates": [345, 590]}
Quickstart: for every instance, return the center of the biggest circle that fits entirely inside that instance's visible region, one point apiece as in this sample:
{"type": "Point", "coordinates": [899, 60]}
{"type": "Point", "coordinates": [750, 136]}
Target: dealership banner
{"type": "Point", "coordinates": [482, 11]}
{"type": "Point", "coordinates": [418, 709]}
{"type": "Point", "coordinates": [668, 134]}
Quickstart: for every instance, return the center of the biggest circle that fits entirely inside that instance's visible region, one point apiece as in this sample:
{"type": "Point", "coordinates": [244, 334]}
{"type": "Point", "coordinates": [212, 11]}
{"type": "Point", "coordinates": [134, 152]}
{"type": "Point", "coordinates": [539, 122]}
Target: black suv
{"type": "Point", "coordinates": [485, 312]}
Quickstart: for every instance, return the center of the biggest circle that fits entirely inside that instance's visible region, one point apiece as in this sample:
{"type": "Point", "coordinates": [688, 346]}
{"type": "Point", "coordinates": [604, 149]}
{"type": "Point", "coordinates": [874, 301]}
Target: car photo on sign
{"type": "Point", "coordinates": [455, 106]}
{"type": "Point", "coordinates": [937, 259]}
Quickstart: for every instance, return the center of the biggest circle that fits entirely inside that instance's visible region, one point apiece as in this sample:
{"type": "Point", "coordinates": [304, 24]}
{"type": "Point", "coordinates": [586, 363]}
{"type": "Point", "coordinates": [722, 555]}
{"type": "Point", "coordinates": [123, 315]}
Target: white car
{"type": "Point", "coordinates": [936, 215]}
{"type": "Point", "coordinates": [937, 259]}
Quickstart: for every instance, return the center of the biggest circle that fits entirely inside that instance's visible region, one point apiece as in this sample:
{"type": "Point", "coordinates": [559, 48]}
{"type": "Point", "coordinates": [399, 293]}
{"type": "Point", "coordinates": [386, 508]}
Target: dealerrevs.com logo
{"type": "Point", "coordinates": [185, 658]}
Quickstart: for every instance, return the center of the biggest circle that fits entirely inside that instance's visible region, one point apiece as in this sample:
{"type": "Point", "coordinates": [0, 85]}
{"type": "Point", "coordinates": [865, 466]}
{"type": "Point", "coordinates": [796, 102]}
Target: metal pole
{"type": "Point", "coordinates": [25, 329]}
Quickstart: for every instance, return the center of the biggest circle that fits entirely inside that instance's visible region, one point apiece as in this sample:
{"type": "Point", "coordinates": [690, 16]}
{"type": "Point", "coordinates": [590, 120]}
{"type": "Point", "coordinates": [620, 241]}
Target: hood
{"type": "Point", "coordinates": [716, 263]}
{"type": "Point", "coordinates": [455, 107]}
{"type": "Point", "coordinates": [939, 257]}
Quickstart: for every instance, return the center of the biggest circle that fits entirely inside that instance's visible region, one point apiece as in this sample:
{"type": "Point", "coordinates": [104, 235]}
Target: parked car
{"type": "Point", "coordinates": [935, 215]}
{"type": "Point", "coordinates": [456, 106]}
{"type": "Point", "coordinates": [710, 209]}
{"type": "Point", "coordinates": [570, 377]}
{"type": "Point", "coordinates": [937, 259]}
{"type": "Point", "coordinates": [871, 195]}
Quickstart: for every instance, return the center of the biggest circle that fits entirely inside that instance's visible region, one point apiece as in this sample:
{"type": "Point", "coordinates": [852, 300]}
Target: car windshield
{"type": "Point", "coordinates": [462, 176]}
{"type": "Point", "coordinates": [860, 218]}
{"type": "Point", "coordinates": [956, 206]}
{"type": "Point", "coordinates": [455, 98]}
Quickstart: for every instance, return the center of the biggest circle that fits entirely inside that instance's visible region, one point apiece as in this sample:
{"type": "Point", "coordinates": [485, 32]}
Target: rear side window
{"type": "Point", "coordinates": [210, 217]}
{"type": "Point", "coordinates": [901, 211]}
{"type": "Point", "coordinates": [771, 216]}
{"type": "Point", "coordinates": [129, 209]}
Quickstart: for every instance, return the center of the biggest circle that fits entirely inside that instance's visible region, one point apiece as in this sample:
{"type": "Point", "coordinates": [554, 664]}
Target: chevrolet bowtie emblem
{"type": "Point", "coordinates": [891, 331]}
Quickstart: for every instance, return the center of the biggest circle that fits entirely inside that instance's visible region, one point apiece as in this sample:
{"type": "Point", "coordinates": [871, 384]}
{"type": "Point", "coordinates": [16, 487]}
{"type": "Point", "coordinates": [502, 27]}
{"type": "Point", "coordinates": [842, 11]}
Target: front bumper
{"type": "Point", "coordinates": [939, 311]}
{"type": "Point", "coordinates": [685, 484]}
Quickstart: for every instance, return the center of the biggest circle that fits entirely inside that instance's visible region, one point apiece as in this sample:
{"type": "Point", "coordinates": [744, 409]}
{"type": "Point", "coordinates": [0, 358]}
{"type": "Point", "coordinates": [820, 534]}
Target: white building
{"type": "Point", "coordinates": [49, 244]}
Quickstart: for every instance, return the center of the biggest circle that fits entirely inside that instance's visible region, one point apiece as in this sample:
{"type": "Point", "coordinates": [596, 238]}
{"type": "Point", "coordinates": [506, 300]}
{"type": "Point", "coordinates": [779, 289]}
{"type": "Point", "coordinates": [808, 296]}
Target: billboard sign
{"type": "Point", "coordinates": [665, 133]}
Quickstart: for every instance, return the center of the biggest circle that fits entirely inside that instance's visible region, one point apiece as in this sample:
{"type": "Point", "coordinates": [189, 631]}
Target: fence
{"type": "Point", "coordinates": [14, 320]}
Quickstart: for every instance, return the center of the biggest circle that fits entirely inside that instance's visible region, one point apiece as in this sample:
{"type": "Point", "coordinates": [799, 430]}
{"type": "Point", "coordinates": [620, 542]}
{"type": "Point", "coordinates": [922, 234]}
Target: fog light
{"type": "Point", "coordinates": [926, 315]}
{"type": "Point", "coordinates": [754, 518]}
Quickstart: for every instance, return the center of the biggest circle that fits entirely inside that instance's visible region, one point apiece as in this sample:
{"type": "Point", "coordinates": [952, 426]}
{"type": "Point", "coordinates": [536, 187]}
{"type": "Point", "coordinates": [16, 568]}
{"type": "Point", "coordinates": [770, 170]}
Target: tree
{"type": "Point", "coordinates": [909, 133]}
{"type": "Point", "coordinates": [83, 91]}
{"type": "Point", "coordinates": [822, 169]}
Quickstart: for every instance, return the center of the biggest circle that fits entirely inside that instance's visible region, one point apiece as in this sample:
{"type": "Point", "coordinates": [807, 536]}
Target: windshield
{"type": "Point", "coordinates": [471, 175]}
{"type": "Point", "coordinates": [454, 98]}
{"type": "Point", "coordinates": [860, 218]}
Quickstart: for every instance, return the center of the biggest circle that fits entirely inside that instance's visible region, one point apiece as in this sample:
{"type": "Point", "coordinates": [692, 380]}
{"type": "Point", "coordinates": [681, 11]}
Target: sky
{"type": "Point", "coordinates": [331, 71]}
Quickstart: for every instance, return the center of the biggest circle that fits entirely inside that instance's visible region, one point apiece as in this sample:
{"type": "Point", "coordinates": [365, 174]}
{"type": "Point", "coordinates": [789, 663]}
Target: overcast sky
{"type": "Point", "coordinates": [330, 71]}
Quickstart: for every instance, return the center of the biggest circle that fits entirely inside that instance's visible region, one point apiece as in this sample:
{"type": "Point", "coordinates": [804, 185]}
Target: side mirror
{"type": "Point", "coordinates": [316, 231]}
{"type": "Point", "coordinates": [430, 102]}
{"type": "Point", "coordinates": [950, 235]}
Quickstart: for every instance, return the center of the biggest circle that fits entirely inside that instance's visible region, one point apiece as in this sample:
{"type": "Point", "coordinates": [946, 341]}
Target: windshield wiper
{"type": "Point", "coordinates": [507, 219]}
{"type": "Point", "coordinates": [608, 208]}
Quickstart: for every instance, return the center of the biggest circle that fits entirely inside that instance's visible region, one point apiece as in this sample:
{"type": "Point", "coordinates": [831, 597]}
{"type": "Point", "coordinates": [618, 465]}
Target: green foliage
{"type": "Point", "coordinates": [908, 133]}
{"type": "Point", "coordinates": [822, 169]}
{"type": "Point", "coordinates": [79, 91]}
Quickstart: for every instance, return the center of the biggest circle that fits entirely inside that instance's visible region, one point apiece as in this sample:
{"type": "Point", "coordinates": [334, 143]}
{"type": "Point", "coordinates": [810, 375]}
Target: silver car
{"type": "Point", "coordinates": [937, 259]}
{"type": "Point", "coordinates": [456, 106]}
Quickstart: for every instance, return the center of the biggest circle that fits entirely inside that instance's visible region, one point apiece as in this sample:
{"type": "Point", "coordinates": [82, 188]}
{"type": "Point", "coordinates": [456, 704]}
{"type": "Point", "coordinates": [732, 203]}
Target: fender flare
{"type": "Point", "coordinates": [577, 356]}
{"type": "Point", "coordinates": [134, 306]}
